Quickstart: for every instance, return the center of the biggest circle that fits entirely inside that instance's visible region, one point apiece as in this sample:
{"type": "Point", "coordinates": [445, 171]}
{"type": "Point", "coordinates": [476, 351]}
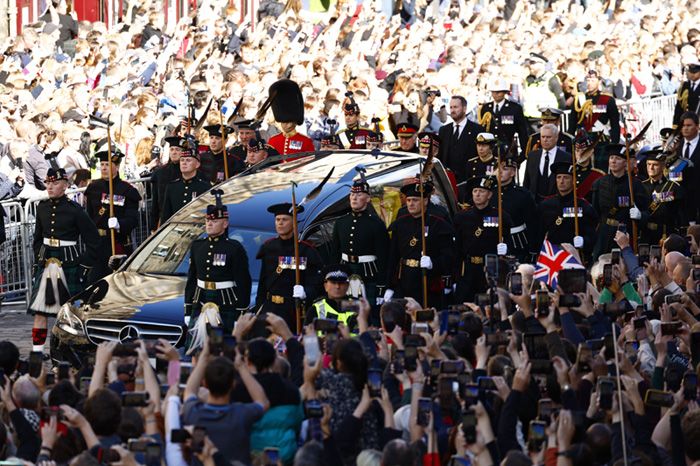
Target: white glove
{"type": "Point", "coordinates": [388, 294]}
{"type": "Point", "coordinates": [635, 214]}
{"type": "Point", "coordinates": [113, 223]}
{"type": "Point", "coordinates": [502, 249]}
{"type": "Point", "coordinates": [578, 242]}
{"type": "Point", "coordinates": [299, 292]}
{"type": "Point", "coordinates": [187, 320]}
{"type": "Point", "coordinates": [426, 263]}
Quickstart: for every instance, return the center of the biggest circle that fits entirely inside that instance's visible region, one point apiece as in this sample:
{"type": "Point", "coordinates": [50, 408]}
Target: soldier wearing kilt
{"type": "Point", "coordinates": [218, 280]}
{"type": "Point", "coordinates": [61, 270]}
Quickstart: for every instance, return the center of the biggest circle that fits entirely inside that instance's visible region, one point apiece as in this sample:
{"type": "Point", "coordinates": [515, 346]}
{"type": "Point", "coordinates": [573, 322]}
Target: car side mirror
{"type": "Point", "coordinates": [116, 261]}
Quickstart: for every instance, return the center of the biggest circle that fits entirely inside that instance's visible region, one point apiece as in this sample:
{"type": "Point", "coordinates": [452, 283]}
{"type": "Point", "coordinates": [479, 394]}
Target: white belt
{"type": "Point", "coordinates": [518, 229]}
{"type": "Point", "coordinates": [360, 259]}
{"type": "Point", "coordinates": [56, 243]}
{"type": "Point", "coordinates": [215, 285]}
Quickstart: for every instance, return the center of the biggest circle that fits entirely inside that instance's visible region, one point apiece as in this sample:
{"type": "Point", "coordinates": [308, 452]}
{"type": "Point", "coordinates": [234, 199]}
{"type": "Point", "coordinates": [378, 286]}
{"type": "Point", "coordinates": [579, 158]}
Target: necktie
{"type": "Point", "coordinates": [455, 135]}
{"type": "Point", "coordinates": [545, 170]}
{"type": "Point", "coordinates": [687, 151]}
{"type": "Point", "coordinates": [496, 109]}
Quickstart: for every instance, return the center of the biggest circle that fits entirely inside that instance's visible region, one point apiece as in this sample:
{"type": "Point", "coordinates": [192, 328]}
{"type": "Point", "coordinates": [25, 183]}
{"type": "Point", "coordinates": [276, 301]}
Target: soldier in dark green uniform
{"type": "Point", "coordinates": [612, 201]}
{"type": "Point", "coordinates": [277, 289]}
{"type": "Point", "coordinates": [520, 205]}
{"type": "Point", "coordinates": [213, 160]}
{"type": "Point", "coordinates": [61, 270]}
{"type": "Point", "coordinates": [360, 241]}
{"type": "Point", "coordinates": [218, 274]}
{"type": "Point", "coordinates": [126, 212]}
{"type": "Point", "coordinates": [665, 210]}
{"type": "Point", "coordinates": [556, 214]}
{"type": "Point", "coordinates": [181, 191]}
{"type": "Point", "coordinates": [162, 176]}
{"type": "Point", "coordinates": [406, 262]}
{"type": "Point", "coordinates": [477, 235]}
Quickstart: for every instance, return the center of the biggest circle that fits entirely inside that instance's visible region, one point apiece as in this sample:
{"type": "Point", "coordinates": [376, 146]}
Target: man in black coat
{"type": "Point", "coordinates": [162, 176]}
{"type": "Point", "coordinates": [504, 118]}
{"type": "Point", "coordinates": [688, 94]}
{"type": "Point", "coordinates": [538, 172]}
{"type": "Point", "coordinates": [458, 139]}
{"type": "Point", "coordinates": [684, 169]}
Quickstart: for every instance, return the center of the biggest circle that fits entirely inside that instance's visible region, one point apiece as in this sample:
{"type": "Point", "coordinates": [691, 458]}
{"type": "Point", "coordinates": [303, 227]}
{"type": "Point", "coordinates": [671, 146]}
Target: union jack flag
{"type": "Point", "coordinates": [551, 260]}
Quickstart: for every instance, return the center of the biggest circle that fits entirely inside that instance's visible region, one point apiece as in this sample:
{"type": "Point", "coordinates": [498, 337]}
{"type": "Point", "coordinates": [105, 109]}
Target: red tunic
{"type": "Point", "coordinates": [293, 144]}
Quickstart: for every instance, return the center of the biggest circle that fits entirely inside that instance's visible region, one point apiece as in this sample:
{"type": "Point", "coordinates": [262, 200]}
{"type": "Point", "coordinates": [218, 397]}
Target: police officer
{"type": "Point", "coordinates": [218, 274]}
{"type": "Point", "coordinates": [688, 94]}
{"type": "Point", "coordinates": [162, 176]}
{"type": "Point", "coordinates": [612, 201]}
{"type": "Point", "coordinates": [352, 136]}
{"type": "Point", "coordinates": [406, 133]}
{"type": "Point", "coordinates": [484, 164]}
{"type": "Point", "coordinates": [504, 118]}
{"type": "Point", "coordinates": [406, 263]}
{"type": "Point", "coordinates": [277, 288]}
{"type": "Point", "coordinates": [556, 214]}
{"type": "Point", "coordinates": [586, 174]}
{"type": "Point", "coordinates": [477, 235]}
{"type": "Point", "coordinates": [361, 242]}
{"type": "Point", "coordinates": [330, 306]}
{"type": "Point", "coordinates": [60, 270]}
{"type": "Point", "coordinates": [665, 210]}
{"type": "Point", "coordinates": [597, 112]}
{"type": "Point", "coordinates": [181, 191]}
{"type": "Point", "coordinates": [212, 161]}
{"type": "Point", "coordinates": [549, 115]}
{"type": "Point", "coordinates": [126, 211]}
{"type": "Point", "coordinates": [520, 205]}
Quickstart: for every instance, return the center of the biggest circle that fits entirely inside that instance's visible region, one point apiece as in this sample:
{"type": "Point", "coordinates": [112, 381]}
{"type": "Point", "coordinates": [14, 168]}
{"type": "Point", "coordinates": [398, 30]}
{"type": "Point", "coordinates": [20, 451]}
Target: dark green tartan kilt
{"type": "Point", "coordinates": [71, 268]}
{"type": "Point", "coordinates": [227, 313]}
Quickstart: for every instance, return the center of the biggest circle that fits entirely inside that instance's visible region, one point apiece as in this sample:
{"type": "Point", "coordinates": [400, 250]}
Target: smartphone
{"type": "Point", "coordinates": [469, 425]}
{"type": "Point", "coordinates": [596, 344]}
{"type": "Point", "coordinates": [631, 349]}
{"type": "Point", "coordinates": [643, 253]}
{"type": "Point", "coordinates": [451, 367]}
{"type": "Point", "coordinates": [671, 328]}
{"type": "Point", "coordinates": [497, 339]}
{"type": "Point", "coordinates": [63, 371]}
{"type": "Point", "coordinates": [615, 256]}
{"type": "Point", "coordinates": [609, 345]}
{"type": "Point", "coordinates": [622, 227]}
{"type": "Point", "coordinates": [414, 340]}
{"type": "Point", "coordinates": [271, 456]}
{"type": "Point", "coordinates": [411, 358]}
{"type": "Point", "coordinates": [374, 383]}
{"type": "Point", "coordinates": [696, 274]}
{"type": "Point", "coordinates": [425, 315]}
{"type": "Point", "coordinates": [125, 349]}
{"type": "Point", "coordinates": [85, 384]}
{"type": "Point", "coordinates": [583, 358]}
{"type": "Point", "coordinates": [326, 325]}
{"type": "Point", "coordinates": [313, 409]}
{"type": "Point", "coordinates": [606, 388]}
{"type": "Point", "coordinates": [150, 346]}
{"type": "Point", "coordinates": [569, 300]}
{"type": "Point", "coordinates": [516, 284]}
{"type": "Point", "coordinates": [672, 298]}
{"type": "Point", "coordinates": [486, 383]}
{"type": "Point", "coordinates": [537, 434]}
{"type": "Point", "coordinates": [399, 362]}
{"type": "Point", "coordinates": [659, 398]}
{"type": "Point", "coordinates": [216, 340]}
{"type": "Point", "coordinates": [483, 300]}
{"type": "Point", "coordinates": [135, 399]}
{"type": "Point", "coordinates": [111, 456]}
{"type": "Point", "coordinates": [312, 349]}
{"type": "Point", "coordinates": [544, 409]}
{"type": "Point", "coordinates": [572, 280]}
{"type": "Point", "coordinates": [137, 445]}
{"type": "Point", "coordinates": [690, 386]}
{"type": "Point", "coordinates": [655, 253]}
{"type": "Point", "coordinates": [470, 392]}
{"type": "Point", "coordinates": [50, 378]}
{"type": "Point", "coordinates": [197, 443]}
{"type": "Point", "coordinates": [36, 359]}
{"type": "Point", "coordinates": [695, 345]}
{"type": "Point", "coordinates": [350, 305]}
{"type": "Point", "coordinates": [542, 303]}
{"type": "Point", "coordinates": [491, 261]}
{"type": "Point", "coordinates": [185, 371]}
{"type": "Point", "coordinates": [419, 327]}
{"type": "Point", "coordinates": [375, 335]}
{"type": "Point", "coordinates": [696, 259]}
{"type": "Point", "coordinates": [435, 369]}
{"type": "Point", "coordinates": [425, 407]}
{"type": "Point", "coordinates": [22, 366]}
{"type": "Point", "coordinates": [607, 275]}
{"type": "Point", "coordinates": [640, 323]}
{"type": "Point", "coordinates": [2, 377]}
{"type": "Point", "coordinates": [447, 386]}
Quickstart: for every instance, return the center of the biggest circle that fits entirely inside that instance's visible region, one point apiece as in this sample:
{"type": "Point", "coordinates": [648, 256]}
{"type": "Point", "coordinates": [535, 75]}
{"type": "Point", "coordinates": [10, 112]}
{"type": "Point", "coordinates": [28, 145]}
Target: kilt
{"type": "Point", "coordinates": [228, 313]}
{"type": "Point", "coordinates": [71, 269]}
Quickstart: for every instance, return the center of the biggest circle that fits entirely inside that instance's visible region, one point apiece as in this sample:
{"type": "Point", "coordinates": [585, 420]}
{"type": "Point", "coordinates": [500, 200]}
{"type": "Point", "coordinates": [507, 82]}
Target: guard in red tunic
{"type": "Point", "coordinates": [288, 108]}
{"type": "Point", "coordinates": [586, 175]}
{"type": "Point", "coordinates": [290, 142]}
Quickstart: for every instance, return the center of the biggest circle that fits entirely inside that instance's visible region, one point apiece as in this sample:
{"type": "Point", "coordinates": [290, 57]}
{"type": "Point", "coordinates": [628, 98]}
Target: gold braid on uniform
{"type": "Point", "coordinates": [584, 110]}
{"type": "Point", "coordinates": [683, 98]}
{"type": "Point", "coordinates": [485, 120]}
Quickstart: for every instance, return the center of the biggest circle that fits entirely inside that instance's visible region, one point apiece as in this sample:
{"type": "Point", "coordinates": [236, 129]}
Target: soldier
{"type": "Point", "coordinates": [597, 112]}
{"type": "Point", "coordinates": [688, 94]}
{"type": "Point", "coordinates": [425, 141]}
{"type": "Point", "coordinates": [407, 132]}
{"type": "Point", "coordinates": [611, 199]}
{"type": "Point", "coordinates": [665, 210]}
{"type": "Point", "coordinates": [477, 235]}
{"type": "Point", "coordinates": [330, 142]}
{"type": "Point", "coordinates": [375, 140]}
{"type": "Point", "coordinates": [361, 242]}
{"type": "Point", "coordinates": [565, 141]}
{"type": "Point", "coordinates": [556, 214]}
{"type": "Point", "coordinates": [484, 164]}
{"type": "Point", "coordinates": [352, 136]}
{"type": "Point", "coordinates": [290, 142]}
{"type": "Point", "coordinates": [218, 274]}
{"type": "Point", "coordinates": [60, 270]}
{"type": "Point", "coordinates": [520, 205]}
{"type": "Point", "coordinates": [277, 289]}
{"type": "Point", "coordinates": [212, 161]}
{"type": "Point", "coordinates": [181, 191]}
{"type": "Point", "coordinates": [406, 262]}
{"type": "Point", "coordinates": [586, 175]}
{"type": "Point", "coordinates": [246, 132]}
{"type": "Point", "coordinates": [126, 212]}
{"type": "Point", "coordinates": [504, 118]}
{"type": "Point", "coordinates": [162, 176]}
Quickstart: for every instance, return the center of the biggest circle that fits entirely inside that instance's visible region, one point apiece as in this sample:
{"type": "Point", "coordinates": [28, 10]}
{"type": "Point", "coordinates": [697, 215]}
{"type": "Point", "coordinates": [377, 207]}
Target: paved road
{"type": "Point", "coordinates": [16, 326]}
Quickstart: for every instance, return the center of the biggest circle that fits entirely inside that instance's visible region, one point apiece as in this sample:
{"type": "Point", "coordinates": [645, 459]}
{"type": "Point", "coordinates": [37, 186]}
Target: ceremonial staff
{"type": "Point", "coordinates": [422, 178]}
{"type": "Point", "coordinates": [111, 185]}
{"type": "Point", "coordinates": [628, 143]}
{"type": "Point", "coordinates": [575, 196]}
{"type": "Point", "coordinates": [499, 200]}
{"type": "Point", "coordinates": [223, 140]}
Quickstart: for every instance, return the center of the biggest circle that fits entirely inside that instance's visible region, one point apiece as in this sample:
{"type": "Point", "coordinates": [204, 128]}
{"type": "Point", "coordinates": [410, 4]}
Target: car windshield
{"type": "Point", "coordinates": [167, 252]}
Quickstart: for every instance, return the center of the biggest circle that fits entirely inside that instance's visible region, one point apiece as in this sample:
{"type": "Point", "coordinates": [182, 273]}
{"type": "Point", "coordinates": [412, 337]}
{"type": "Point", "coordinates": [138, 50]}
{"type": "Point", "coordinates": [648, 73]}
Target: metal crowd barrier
{"type": "Point", "coordinates": [17, 255]}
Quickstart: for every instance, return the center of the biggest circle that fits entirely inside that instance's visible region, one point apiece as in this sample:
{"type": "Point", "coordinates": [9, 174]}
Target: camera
{"type": "Point", "coordinates": [434, 92]}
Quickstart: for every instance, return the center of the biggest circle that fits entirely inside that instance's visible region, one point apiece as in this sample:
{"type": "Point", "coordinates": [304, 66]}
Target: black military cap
{"type": "Point", "coordinates": [582, 139]}
{"type": "Point", "coordinates": [562, 168]}
{"type": "Point", "coordinates": [593, 73]}
{"type": "Point", "coordinates": [412, 188]}
{"type": "Point", "coordinates": [618, 150]}
{"type": "Point", "coordinates": [215, 130]}
{"type": "Point", "coordinates": [176, 141]}
{"type": "Point", "coordinates": [426, 139]}
{"type": "Point", "coordinates": [483, 182]}
{"type": "Point", "coordinates": [285, 208]}
{"type": "Point", "coordinates": [406, 130]}
{"type": "Point", "coordinates": [694, 67]}
{"type": "Point", "coordinates": [257, 144]}
{"type": "Point", "coordinates": [549, 113]}
{"type": "Point", "coordinates": [350, 107]}
{"type": "Point", "coordinates": [375, 137]}
{"type": "Point", "coordinates": [287, 101]}
{"type": "Point", "coordinates": [218, 210]}
{"type": "Point", "coordinates": [665, 133]}
{"type": "Point", "coordinates": [103, 156]}
{"type": "Point", "coordinates": [338, 273]}
{"type": "Point", "coordinates": [243, 124]}
{"type": "Point", "coordinates": [509, 160]}
{"type": "Point", "coordinates": [55, 175]}
{"type": "Point", "coordinates": [188, 152]}
{"type": "Point", "coordinates": [653, 153]}
{"type": "Point", "coordinates": [360, 186]}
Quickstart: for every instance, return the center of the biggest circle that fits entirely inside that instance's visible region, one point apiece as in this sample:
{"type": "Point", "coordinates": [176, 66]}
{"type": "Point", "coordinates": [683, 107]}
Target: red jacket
{"type": "Point", "coordinates": [291, 145]}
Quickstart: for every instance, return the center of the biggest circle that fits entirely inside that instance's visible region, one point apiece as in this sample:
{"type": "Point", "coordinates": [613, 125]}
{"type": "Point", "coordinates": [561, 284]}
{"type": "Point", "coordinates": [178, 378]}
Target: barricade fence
{"type": "Point", "coordinates": [17, 255]}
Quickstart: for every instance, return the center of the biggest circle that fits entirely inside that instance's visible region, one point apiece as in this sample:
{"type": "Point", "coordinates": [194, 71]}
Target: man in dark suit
{"type": "Point", "coordinates": [684, 169]}
{"type": "Point", "coordinates": [688, 94]}
{"type": "Point", "coordinates": [458, 139]}
{"type": "Point", "coordinates": [504, 118]}
{"type": "Point", "coordinates": [538, 172]}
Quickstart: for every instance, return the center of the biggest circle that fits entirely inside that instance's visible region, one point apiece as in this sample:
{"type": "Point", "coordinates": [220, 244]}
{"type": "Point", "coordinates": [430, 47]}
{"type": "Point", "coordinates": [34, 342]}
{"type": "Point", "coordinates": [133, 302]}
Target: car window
{"type": "Point", "coordinates": [168, 252]}
{"type": "Point", "coordinates": [321, 236]}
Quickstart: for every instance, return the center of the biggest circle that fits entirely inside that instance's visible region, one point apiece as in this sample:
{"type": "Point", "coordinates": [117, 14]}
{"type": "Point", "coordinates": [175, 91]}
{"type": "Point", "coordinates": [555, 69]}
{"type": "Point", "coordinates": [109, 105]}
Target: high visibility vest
{"type": "Point", "coordinates": [537, 95]}
{"type": "Point", "coordinates": [324, 310]}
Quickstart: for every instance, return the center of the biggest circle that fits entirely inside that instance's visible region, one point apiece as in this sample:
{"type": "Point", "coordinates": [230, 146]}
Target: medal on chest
{"type": "Point", "coordinates": [117, 199]}
{"type": "Point", "coordinates": [288, 262]}
{"type": "Point", "coordinates": [219, 260]}
{"type": "Point", "coordinates": [490, 222]}
{"type": "Point", "coordinates": [623, 201]}
{"type": "Point", "coordinates": [295, 145]}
